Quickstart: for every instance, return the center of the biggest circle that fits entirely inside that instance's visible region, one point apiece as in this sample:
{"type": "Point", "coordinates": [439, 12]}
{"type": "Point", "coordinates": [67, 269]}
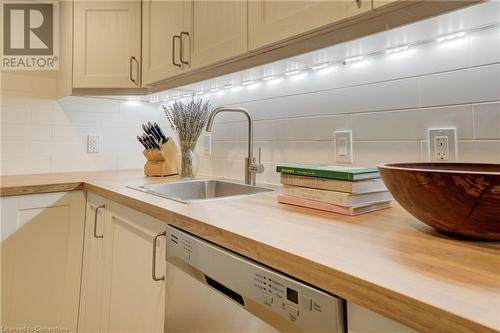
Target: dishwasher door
{"type": "Point", "coordinates": [212, 290]}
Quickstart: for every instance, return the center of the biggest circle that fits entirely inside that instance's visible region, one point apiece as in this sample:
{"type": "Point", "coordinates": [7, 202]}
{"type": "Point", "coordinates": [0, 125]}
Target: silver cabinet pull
{"type": "Point", "coordinates": [153, 269]}
{"type": "Point", "coordinates": [184, 33]}
{"type": "Point", "coordinates": [173, 49]}
{"type": "Point", "coordinates": [95, 221]}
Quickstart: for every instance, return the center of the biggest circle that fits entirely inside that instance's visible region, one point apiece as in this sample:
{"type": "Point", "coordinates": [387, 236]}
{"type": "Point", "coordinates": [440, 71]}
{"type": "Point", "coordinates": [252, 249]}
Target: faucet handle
{"type": "Point", "coordinates": [258, 167]}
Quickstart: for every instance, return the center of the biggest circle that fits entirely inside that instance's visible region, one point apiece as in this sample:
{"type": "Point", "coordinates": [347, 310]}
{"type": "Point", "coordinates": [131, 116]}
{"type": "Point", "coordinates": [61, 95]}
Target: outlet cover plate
{"type": "Point", "coordinates": [93, 144]}
{"type": "Point", "coordinates": [447, 137]}
{"type": "Point", "coordinates": [343, 147]}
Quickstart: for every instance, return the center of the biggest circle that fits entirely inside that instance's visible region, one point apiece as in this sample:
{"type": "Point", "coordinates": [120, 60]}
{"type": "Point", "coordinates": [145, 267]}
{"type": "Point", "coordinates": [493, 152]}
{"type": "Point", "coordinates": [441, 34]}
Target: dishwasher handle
{"type": "Point", "coordinates": [225, 290]}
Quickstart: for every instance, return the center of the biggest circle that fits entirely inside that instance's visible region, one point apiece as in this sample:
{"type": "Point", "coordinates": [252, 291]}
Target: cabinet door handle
{"type": "Point", "coordinates": [95, 221]}
{"type": "Point", "coordinates": [173, 49]}
{"type": "Point", "coordinates": [185, 62]}
{"type": "Point", "coordinates": [153, 270]}
{"type": "Point", "coordinates": [136, 80]}
{"type": "Point", "coordinates": [358, 2]}
{"type": "Point", "coordinates": [130, 69]}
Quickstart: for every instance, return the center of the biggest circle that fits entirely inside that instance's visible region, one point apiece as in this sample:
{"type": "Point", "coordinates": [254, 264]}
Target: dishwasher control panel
{"type": "Point", "coordinates": [257, 288]}
{"type": "Point", "coordinates": [290, 298]}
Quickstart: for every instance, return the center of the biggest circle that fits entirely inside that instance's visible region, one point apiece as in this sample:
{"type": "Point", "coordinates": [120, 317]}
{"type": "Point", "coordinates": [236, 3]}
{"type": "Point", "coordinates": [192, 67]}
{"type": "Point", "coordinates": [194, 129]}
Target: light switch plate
{"type": "Point", "coordinates": [343, 147]}
{"type": "Point", "coordinates": [207, 144]}
{"type": "Point", "coordinates": [93, 144]}
{"type": "Point", "coordinates": [443, 144]}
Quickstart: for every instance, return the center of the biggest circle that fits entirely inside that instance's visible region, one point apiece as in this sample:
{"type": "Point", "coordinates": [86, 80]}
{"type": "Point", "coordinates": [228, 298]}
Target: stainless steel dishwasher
{"type": "Point", "coordinates": [212, 290]}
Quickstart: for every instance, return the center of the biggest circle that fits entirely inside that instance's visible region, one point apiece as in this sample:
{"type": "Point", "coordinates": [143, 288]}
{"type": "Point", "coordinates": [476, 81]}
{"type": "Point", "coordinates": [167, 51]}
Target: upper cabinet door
{"type": "Point", "coordinates": [217, 30]}
{"type": "Point", "coordinates": [270, 21]}
{"type": "Point", "coordinates": [107, 44]}
{"type": "Point", "coordinates": [161, 22]}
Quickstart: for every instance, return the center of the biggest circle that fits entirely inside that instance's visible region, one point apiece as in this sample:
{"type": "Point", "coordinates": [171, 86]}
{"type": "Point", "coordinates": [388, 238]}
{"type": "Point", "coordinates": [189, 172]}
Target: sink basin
{"type": "Point", "coordinates": [200, 190]}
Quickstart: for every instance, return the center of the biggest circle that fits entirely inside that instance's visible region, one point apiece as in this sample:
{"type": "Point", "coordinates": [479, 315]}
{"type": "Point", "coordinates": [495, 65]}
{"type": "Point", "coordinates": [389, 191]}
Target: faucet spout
{"type": "Point", "coordinates": [251, 168]}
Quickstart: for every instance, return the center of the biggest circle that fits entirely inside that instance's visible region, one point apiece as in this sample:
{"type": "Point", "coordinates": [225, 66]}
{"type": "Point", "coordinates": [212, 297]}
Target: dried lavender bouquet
{"type": "Point", "coordinates": [187, 119]}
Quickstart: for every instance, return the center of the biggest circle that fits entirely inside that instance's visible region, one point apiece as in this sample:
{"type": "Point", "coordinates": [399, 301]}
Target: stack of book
{"type": "Point", "coordinates": [338, 189]}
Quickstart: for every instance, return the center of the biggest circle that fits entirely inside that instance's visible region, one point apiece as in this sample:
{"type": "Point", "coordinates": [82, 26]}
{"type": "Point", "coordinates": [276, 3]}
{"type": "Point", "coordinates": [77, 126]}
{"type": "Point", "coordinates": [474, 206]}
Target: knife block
{"type": "Point", "coordinates": [161, 162]}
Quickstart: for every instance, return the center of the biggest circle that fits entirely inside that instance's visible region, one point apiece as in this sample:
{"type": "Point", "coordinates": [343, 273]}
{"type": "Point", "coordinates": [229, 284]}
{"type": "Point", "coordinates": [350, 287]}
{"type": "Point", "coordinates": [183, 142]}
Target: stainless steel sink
{"type": "Point", "coordinates": [200, 190]}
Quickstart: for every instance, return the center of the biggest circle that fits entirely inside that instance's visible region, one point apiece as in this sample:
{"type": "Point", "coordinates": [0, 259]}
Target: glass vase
{"type": "Point", "coordinates": [188, 160]}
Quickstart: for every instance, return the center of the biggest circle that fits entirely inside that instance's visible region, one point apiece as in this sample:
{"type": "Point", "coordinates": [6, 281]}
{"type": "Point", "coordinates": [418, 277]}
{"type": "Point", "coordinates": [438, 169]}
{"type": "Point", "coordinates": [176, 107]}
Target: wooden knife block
{"type": "Point", "coordinates": [161, 162]}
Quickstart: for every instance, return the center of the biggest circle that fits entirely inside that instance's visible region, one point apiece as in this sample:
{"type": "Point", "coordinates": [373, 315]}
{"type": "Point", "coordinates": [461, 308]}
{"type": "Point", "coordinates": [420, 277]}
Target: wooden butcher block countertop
{"type": "Point", "coordinates": [386, 261]}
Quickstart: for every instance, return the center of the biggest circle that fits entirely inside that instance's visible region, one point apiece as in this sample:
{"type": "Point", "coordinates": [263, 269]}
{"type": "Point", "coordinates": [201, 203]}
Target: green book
{"type": "Point", "coordinates": [329, 171]}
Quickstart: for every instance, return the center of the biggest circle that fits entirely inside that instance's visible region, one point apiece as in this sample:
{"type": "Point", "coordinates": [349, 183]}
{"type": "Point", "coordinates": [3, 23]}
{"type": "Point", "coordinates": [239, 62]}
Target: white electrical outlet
{"type": "Point", "coordinates": [343, 147]}
{"type": "Point", "coordinates": [93, 144]}
{"type": "Point", "coordinates": [441, 148]}
{"type": "Point", "coordinates": [207, 144]}
{"type": "Point", "coordinates": [443, 144]}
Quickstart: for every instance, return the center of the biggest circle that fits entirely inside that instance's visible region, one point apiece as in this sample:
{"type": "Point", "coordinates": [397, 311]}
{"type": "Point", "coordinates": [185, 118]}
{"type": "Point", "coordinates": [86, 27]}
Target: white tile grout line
{"type": "Point", "coordinates": [409, 109]}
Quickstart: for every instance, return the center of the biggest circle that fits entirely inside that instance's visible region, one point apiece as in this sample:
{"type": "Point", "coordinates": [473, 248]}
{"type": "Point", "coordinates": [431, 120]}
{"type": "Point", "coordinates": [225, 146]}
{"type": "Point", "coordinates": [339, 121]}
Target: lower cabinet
{"type": "Point", "coordinates": [123, 287]}
{"type": "Point", "coordinates": [362, 320]}
{"type": "Point", "coordinates": [91, 300]}
{"type": "Point", "coordinates": [41, 255]}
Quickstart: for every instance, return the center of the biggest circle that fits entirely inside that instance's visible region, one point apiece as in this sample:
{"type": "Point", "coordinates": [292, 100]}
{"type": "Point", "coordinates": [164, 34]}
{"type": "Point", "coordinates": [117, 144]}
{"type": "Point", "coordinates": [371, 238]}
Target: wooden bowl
{"type": "Point", "coordinates": [458, 198]}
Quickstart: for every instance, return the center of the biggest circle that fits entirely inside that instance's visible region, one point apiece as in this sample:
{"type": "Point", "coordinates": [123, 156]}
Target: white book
{"type": "Point", "coordinates": [337, 198]}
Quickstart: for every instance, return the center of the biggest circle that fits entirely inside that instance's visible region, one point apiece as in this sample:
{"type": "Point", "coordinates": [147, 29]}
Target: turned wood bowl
{"type": "Point", "coordinates": [456, 198]}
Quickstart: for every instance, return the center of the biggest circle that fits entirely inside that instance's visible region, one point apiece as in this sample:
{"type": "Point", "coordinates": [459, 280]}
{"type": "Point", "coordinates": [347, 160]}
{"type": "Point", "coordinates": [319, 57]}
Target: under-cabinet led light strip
{"type": "Point", "coordinates": [320, 67]}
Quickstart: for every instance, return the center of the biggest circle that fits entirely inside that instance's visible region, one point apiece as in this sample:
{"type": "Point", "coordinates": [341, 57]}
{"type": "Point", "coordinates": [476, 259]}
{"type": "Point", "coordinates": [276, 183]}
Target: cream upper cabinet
{"type": "Point", "coordinates": [107, 44]}
{"type": "Point", "coordinates": [134, 301]}
{"type": "Point", "coordinates": [41, 251]}
{"type": "Point", "coordinates": [91, 300]}
{"type": "Point", "coordinates": [270, 21]}
{"type": "Point", "coordinates": [214, 31]}
{"type": "Point", "coordinates": [162, 23]}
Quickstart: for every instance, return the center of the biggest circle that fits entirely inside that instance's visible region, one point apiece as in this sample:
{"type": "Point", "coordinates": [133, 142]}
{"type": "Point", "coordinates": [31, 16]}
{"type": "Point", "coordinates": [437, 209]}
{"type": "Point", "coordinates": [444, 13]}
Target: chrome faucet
{"type": "Point", "coordinates": [251, 166]}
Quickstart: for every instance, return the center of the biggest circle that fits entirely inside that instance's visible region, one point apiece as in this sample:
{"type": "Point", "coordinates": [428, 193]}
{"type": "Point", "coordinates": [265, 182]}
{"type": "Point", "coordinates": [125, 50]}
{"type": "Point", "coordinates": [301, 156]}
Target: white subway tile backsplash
{"type": "Point", "coordinates": [487, 121]}
{"type": "Point", "coordinates": [43, 116]}
{"type": "Point", "coordinates": [485, 47]}
{"type": "Point", "coordinates": [479, 151]}
{"type": "Point", "coordinates": [15, 148]}
{"type": "Point", "coordinates": [15, 115]}
{"type": "Point", "coordinates": [26, 132]}
{"type": "Point", "coordinates": [313, 128]}
{"type": "Point", "coordinates": [88, 104]}
{"type": "Point", "coordinates": [472, 85]}
{"type": "Point", "coordinates": [24, 164]}
{"type": "Point", "coordinates": [410, 124]}
{"type": "Point", "coordinates": [77, 162]}
{"type": "Point", "coordinates": [371, 153]}
{"type": "Point", "coordinates": [131, 161]}
{"type": "Point", "coordinates": [74, 118]}
{"type": "Point", "coordinates": [74, 132]}
{"type": "Point", "coordinates": [313, 152]}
